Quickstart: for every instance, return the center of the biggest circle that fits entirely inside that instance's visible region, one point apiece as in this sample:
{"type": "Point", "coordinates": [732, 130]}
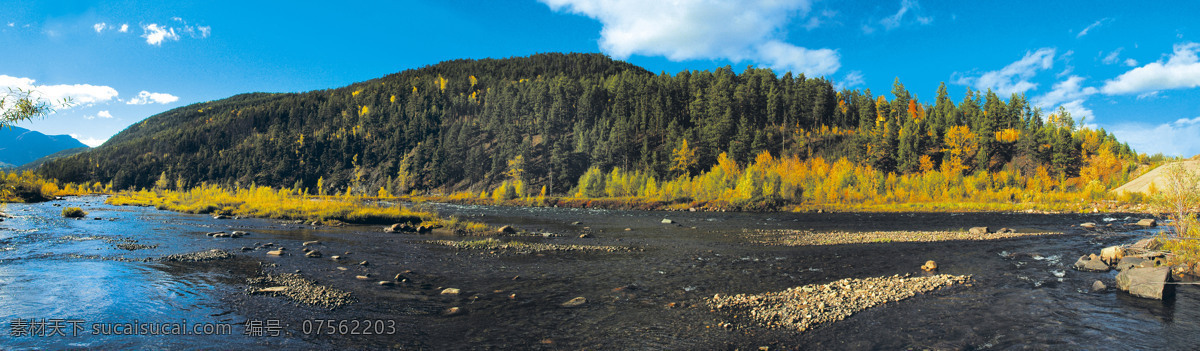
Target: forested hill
{"type": "Point", "coordinates": [548, 118]}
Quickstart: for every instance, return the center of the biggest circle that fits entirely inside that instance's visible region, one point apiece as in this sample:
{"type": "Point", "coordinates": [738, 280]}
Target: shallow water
{"type": "Point", "coordinates": [1025, 294]}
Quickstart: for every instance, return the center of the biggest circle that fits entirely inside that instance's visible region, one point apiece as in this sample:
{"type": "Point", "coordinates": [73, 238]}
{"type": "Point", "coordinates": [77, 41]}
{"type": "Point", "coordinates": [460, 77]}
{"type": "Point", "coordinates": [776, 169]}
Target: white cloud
{"type": "Point", "coordinates": [146, 97]}
{"type": "Point", "coordinates": [1113, 57]}
{"type": "Point", "coordinates": [852, 79]}
{"type": "Point", "coordinates": [897, 19]}
{"type": "Point", "coordinates": [99, 27]}
{"type": "Point", "coordinates": [1131, 62]}
{"type": "Point", "coordinates": [1092, 26]}
{"type": "Point", "coordinates": [1078, 111]}
{"type": "Point", "coordinates": [1071, 89]}
{"type": "Point", "coordinates": [93, 142]}
{"type": "Point", "coordinates": [702, 29]}
{"type": "Point", "coordinates": [1181, 70]}
{"type": "Point", "coordinates": [156, 34]}
{"type": "Point", "coordinates": [1177, 138]}
{"type": "Point", "coordinates": [12, 24]}
{"type": "Point", "coordinates": [124, 28]}
{"type": "Point", "coordinates": [104, 114]}
{"type": "Point", "coordinates": [79, 94]}
{"type": "Point", "coordinates": [1013, 78]}
{"type": "Point", "coordinates": [894, 21]}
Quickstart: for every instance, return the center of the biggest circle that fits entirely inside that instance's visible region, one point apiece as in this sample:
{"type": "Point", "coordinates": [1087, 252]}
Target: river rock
{"type": "Point", "coordinates": [585, 236]}
{"type": "Point", "coordinates": [220, 217]}
{"type": "Point", "coordinates": [1088, 225]}
{"type": "Point", "coordinates": [667, 221]}
{"type": "Point", "coordinates": [1147, 283]}
{"type": "Point", "coordinates": [1148, 222]}
{"type": "Point", "coordinates": [508, 229]}
{"type": "Point", "coordinates": [363, 277]}
{"type": "Point", "coordinates": [399, 228]}
{"type": "Point", "coordinates": [576, 223]}
{"type": "Point", "coordinates": [238, 234]}
{"type": "Point", "coordinates": [979, 230]}
{"type": "Point", "coordinates": [575, 302]}
{"type": "Point", "coordinates": [1112, 254]}
{"type": "Point", "coordinates": [1098, 286]}
{"type": "Point", "coordinates": [214, 234]}
{"type": "Point", "coordinates": [452, 311]}
{"type": "Point", "coordinates": [313, 254]}
{"type": "Point", "coordinates": [275, 253]}
{"type": "Point", "coordinates": [364, 263]}
{"type": "Point", "coordinates": [1146, 244]}
{"type": "Point", "coordinates": [1006, 231]}
{"type": "Point", "coordinates": [1133, 262]}
{"type": "Point", "coordinates": [451, 291]}
{"type": "Point", "coordinates": [309, 243]}
{"type": "Point", "coordinates": [1086, 263]}
{"type": "Point", "coordinates": [930, 266]}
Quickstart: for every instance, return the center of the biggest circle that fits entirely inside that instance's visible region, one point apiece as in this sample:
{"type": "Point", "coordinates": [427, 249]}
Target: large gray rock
{"type": "Point", "coordinates": [1086, 263]}
{"type": "Point", "coordinates": [1148, 244]}
{"type": "Point", "coordinates": [1133, 262]}
{"type": "Point", "coordinates": [979, 230]}
{"type": "Point", "coordinates": [1148, 222]}
{"type": "Point", "coordinates": [1098, 286]}
{"type": "Point", "coordinates": [1147, 283]}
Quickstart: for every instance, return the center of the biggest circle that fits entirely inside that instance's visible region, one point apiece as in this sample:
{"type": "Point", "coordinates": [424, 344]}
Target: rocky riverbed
{"type": "Point", "coordinates": [791, 237]}
{"type": "Point", "coordinates": [595, 286]}
{"type": "Point", "coordinates": [804, 307]}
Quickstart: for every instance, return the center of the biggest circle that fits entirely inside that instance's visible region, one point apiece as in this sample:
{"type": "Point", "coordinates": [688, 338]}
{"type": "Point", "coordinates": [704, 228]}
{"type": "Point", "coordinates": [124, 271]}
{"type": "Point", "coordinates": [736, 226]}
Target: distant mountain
{"type": "Point", "coordinates": [19, 146]}
{"type": "Point", "coordinates": [33, 165]}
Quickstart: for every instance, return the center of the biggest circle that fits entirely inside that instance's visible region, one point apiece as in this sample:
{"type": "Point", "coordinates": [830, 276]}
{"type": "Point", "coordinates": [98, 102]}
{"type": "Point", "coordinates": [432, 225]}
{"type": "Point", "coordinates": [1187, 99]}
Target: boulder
{"type": "Point", "coordinates": [214, 234]}
{"type": "Point", "coordinates": [667, 221]}
{"type": "Point", "coordinates": [1088, 225]}
{"type": "Point", "coordinates": [575, 302]}
{"type": "Point", "coordinates": [386, 283]}
{"type": "Point", "coordinates": [364, 263]}
{"type": "Point", "coordinates": [363, 277]}
{"type": "Point", "coordinates": [400, 228]}
{"type": "Point", "coordinates": [1133, 262]}
{"type": "Point", "coordinates": [313, 254]}
{"type": "Point", "coordinates": [930, 266]}
{"type": "Point", "coordinates": [424, 229]}
{"type": "Point", "coordinates": [1098, 286]}
{"type": "Point", "coordinates": [1148, 244]}
{"type": "Point", "coordinates": [275, 253]}
{"type": "Point", "coordinates": [1147, 283]}
{"type": "Point", "coordinates": [1093, 264]}
{"type": "Point", "coordinates": [508, 229]}
{"type": "Point", "coordinates": [1112, 254]}
{"type": "Point", "coordinates": [451, 291]}
{"type": "Point", "coordinates": [309, 243]}
{"type": "Point", "coordinates": [979, 230]}
{"type": "Point", "coordinates": [1148, 222]}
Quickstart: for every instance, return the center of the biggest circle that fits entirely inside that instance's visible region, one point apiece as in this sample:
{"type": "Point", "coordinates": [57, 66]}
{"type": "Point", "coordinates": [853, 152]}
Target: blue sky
{"type": "Point", "coordinates": [1128, 67]}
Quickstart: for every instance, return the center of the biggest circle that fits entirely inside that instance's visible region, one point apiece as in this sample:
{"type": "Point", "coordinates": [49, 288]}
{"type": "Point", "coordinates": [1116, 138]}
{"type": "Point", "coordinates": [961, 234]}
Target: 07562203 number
{"type": "Point", "coordinates": [349, 326]}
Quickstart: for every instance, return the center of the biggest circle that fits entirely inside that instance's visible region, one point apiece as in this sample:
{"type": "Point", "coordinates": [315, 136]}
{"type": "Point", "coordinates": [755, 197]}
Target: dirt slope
{"type": "Point", "coordinates": [1157, 176]}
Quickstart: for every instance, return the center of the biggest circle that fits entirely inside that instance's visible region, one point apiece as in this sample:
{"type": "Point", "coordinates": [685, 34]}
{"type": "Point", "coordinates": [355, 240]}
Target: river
{"type": "Point", "coordinates": [98, 276]}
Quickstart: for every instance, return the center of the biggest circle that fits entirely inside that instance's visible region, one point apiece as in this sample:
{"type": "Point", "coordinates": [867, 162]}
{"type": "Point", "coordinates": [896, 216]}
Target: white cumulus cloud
{"type": "Point", "coordinates": [156, 34]}
{"type": "Point", "coordinates": [1181, 70]}
{"type": "Point", "coordinates": [1013, 78]}
{"type": "Point", "coordinates": [1176, 138]}
{"type": "Point", "coordinates": [124, 28]}
{"type": "Point", "coordinates": [704, 29]}
{"type": "Point", "coordinates": [146, 97]}
{"type": "Point", "coordinates": [99, 27]}
{"type": "Point", "coordinates": [79, 94]}
{"type": "Point", "coordinates": [93, 142]}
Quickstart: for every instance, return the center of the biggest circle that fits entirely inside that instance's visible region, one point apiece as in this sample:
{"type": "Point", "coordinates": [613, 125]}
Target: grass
{"type": "Point", "coordinates": [265, 202]}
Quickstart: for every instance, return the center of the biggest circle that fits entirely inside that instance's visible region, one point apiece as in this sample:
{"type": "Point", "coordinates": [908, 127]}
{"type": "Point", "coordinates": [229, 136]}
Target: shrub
{"type": "Point", "coordinates": [73, 212]}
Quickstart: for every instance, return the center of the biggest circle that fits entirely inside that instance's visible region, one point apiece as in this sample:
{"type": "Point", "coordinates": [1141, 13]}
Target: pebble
{"type": "Point", "coordinates": [575, 302]}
